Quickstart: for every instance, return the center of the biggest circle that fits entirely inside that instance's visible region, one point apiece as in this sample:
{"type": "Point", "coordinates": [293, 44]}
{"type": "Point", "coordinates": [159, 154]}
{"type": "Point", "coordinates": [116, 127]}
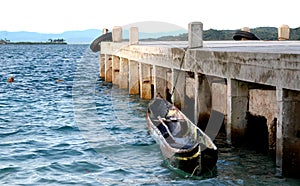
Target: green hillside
{"type": "Point", "coordinates": [264, 33]}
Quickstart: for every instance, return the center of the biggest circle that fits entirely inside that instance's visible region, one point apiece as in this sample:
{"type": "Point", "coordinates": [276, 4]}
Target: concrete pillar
{"type": "Point", "coordinates": [134, 83]}
{"type": "Point", "coordinates": [145, 81]}
{"type": "Point", "coordinates": [237, 97]}
{"type": "Point", "coordinates": [102, 65]}
{"type": "Point", "coordinates": [117, 34]}
{"type": "Point", "coordinates": [133, 35]}
{"type": "Point", "coordinates": [195, 36]}
{"type": "Point", "coordinates": [202, 96]}
{"type": "Point", "coordinates": [108, 68]}
{"type": "Point", "coordinates": [160, 81]}
{"type": "Point", "coordinates": [169, 89]}
{"type": "Point", "coordinates": [178, 81]}
{"type": "Point", "coordinates": [261, 102]}
{"type": "Point", "coordinates": [283, 33]}
{"type": "Point", "coordinates": [189, 98]}
{"type": "Point", "coordinates": [288, 133]}
{"type": "Point", "coordinates": [123, 76]}
{"type": "Point", "coordinates": [246, 29]}
{"type": "Point", "coordinates": [115, 69]}
{"type": "Point", "coordinates": [219, 97]}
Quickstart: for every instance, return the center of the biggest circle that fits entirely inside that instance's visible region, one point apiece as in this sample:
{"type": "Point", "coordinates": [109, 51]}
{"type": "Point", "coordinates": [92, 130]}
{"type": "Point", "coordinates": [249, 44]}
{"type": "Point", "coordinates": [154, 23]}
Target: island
{"type": "Point", "coordinates": [50, 41]}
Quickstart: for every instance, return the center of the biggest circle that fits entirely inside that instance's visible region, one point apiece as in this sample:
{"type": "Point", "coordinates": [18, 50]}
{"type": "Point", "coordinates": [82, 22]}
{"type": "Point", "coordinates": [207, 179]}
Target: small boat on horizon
{"type": "Point", "coordinates": [185, 146]}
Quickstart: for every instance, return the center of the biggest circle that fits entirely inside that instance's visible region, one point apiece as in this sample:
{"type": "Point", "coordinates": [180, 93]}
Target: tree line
{"type": "Point", "coordinates": [264, 33]}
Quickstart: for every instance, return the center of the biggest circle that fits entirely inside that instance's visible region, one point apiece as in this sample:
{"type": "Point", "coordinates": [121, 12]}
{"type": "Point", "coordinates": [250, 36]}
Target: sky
{"type": "Point", "coordinates": [57, 16]}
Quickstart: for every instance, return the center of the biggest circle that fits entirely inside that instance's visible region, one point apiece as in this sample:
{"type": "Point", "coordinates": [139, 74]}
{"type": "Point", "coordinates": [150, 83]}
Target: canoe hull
{"type": "Point", "coordinates": [186, 155]}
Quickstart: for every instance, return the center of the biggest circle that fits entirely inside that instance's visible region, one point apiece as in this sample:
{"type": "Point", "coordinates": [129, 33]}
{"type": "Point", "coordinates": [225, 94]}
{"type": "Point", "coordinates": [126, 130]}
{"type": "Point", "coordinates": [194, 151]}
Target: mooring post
{"type": "Point", "coordinates": [133, 35]}
{"type": "Point", "coordinates": [123, 75]}
{"type": "Point", "coordinates": [108, 68]}
{"type": "Point", "coordinates": [283, 32]}
{"type": "Point", "coordinates": [195, 35]}
{"type": "Point", "coordinates": [117, 34]}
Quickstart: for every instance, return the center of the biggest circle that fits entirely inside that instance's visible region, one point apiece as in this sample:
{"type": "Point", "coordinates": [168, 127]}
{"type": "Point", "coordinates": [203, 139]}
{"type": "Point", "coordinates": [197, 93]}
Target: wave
{"type": "Point", "coordinates": [14, 132]}
{"type": "Point", "coordinates": [65, 128]}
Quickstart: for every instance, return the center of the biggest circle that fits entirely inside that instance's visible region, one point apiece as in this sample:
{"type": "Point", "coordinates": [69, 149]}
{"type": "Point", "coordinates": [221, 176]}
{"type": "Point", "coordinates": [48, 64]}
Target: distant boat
{"type": "Point", "coordinates": [185, 147]}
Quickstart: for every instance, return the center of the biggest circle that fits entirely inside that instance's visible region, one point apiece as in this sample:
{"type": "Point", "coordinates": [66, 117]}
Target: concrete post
{"type": "Point", "coordinates": [108, 68]}
{"type": "Point", "coordinates": [246, 29]}
{"type": "Point", "coordinates": [102, 65]}
{"type": "Point", "coordinates": [117, 34]}
{"type": "Point", "coordinates": [123, 76]}
{"type": "Point", "coordinates": [145, 81]}
{"type": "Point", "coordinates": [237, 97]}
{"type": "Point", "coordinates": [134, 83]}
{"type": "Point", "coordinates": [283, 33]}
{"type": "Point", "coordinates": [195, 36]}
{"type": "Point", "coordinates": [133, 35]}
{"type": "Point", "coordinates": [115, 69]}
{"type": "Point", "coordinates": [288, 133]}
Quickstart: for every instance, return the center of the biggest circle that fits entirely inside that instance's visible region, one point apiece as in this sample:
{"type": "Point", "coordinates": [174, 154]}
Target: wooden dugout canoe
{"type": "Point", "coordinates": [181, 142]}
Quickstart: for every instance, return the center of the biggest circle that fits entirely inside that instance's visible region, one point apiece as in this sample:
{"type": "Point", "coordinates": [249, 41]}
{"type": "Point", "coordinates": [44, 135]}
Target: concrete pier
{"type": "Point", "coordinates": [245, 81]}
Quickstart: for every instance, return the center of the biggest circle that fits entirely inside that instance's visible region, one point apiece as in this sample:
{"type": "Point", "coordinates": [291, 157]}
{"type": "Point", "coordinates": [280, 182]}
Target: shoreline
{"type": "Point", "coordinates": [35, 43]}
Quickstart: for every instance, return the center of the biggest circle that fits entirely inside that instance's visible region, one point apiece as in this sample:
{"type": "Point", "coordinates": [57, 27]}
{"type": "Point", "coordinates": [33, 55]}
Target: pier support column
{"type": "Point", "coordinates": [288, 133]}
{"type": "Point", "coordinates": [134, 83]}
{"type": "Point", "coordinates": [202, 99]}
{"type": "Point", "coordinates": [237, 97]}
{"type": "Point", "coordinates": [102, 65]}
{"type": "Point", "coordinates": [115, 69]}
{"type": "Point", "coordinates": [108, 68]}
{"type": "Point", "coordinates": [189, 99]}
{"type": "Point", "coordinates": [178, 81]}
{"type": "Point", "coordinates": [123, 76]}
{"type": "Point", "coordinates": [160, 81]}
{"type": "Point", "coordinates": [145, 81]}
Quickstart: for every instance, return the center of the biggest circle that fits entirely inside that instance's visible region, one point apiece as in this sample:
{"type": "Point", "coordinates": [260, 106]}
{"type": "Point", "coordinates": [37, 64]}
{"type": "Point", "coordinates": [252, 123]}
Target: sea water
{"type": "Point", "coordinates": [60, 124]}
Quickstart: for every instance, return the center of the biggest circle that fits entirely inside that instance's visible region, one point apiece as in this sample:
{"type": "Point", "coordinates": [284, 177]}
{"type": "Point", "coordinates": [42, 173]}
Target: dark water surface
{"type": "Point", "coordinates": [60, 125]}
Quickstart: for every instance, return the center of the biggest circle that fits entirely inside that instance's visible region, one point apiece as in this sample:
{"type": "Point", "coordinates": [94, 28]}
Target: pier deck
{"type": "Point", "coordinates": [234, 78]}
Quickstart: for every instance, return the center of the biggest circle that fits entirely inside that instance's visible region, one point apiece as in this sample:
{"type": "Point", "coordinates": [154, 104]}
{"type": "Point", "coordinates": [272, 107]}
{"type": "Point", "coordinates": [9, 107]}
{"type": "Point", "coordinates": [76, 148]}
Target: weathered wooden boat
{"type": "Point", "coordinates": [95, 45]}
{"type": "Point", "coordinates": [182, 143]}
{"type": "Point", "coordinates": [240, 35]}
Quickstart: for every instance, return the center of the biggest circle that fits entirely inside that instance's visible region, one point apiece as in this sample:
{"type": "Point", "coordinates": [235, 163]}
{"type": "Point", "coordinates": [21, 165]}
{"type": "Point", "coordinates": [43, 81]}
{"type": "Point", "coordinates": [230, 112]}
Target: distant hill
{"type": "Point", "coordinates": [264, 33]}
{"type": "Point", "coordinates": [87, 36]}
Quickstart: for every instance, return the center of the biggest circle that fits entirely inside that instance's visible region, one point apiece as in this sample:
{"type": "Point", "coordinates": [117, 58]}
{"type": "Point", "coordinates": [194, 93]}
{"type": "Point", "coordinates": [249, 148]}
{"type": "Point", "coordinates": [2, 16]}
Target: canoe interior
{"type": "Point", "coordinates": [184, 139]}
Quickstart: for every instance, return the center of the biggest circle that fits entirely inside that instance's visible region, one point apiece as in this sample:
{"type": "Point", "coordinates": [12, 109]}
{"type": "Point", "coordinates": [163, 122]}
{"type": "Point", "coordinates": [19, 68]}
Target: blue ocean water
{"type": "Point", "coordinates": [60, 124]}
